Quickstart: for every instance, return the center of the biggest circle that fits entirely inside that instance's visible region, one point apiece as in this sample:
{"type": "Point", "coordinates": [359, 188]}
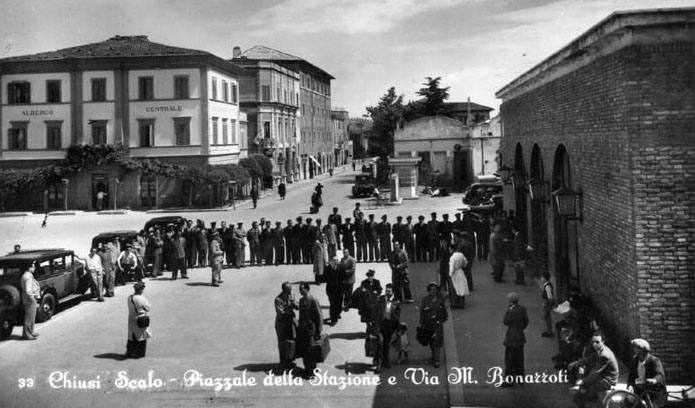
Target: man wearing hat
{"type": "Point", "coordinates": [239, 245]}
{"type": "Point", "coordinates": [361, 254]}
{"type": "Point", "coordinates": [288, 233]}
{"type": "Point", "coordinates": [433, 237]}
{"type": "Point", "coordinates": [433, 314]}
{"type": "Point", "coordinates": [216, 258]}
{"type": "Point", "coordinates": [337, 220]}
{"type": "Point", "coordinates": [397, 230]}
{"type": "Point", "coordinates": [647, 373]}
{"type": "Point", "coordinates": [408, 239]}
{"type": "Point", "coordinates": [298, 236]}
{"type": "Point", "coordinates": [383, 230]}
{"type": "Point", "coordinates": [334, 275]}
{"type": "Point", "coordinates": [347, 230]}
{"type": "Point", "coordinates": [516, 320]}
{"type": "Point", "coordinates": [420, 231]}
{"type": "Point", "coordinates": [253, 237]}
{"type": "Point", "coordinates": [372, 239]}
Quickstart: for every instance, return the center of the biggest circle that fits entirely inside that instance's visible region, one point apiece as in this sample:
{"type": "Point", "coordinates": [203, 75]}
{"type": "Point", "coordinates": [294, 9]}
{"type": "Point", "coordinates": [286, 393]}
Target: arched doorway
{"type": "Point", "coordinates": [539, 220]}
{"type": "Point", "coordinates": [567, 273]}
{"type": "Point", "coordinates": [520, 205]}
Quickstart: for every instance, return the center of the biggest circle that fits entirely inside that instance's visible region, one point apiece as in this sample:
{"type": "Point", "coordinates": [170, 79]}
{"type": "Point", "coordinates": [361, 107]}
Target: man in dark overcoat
{"type": "Point", "coordinates": [516, 320]}
{"type": "Point", "coordinates": [309, 328]}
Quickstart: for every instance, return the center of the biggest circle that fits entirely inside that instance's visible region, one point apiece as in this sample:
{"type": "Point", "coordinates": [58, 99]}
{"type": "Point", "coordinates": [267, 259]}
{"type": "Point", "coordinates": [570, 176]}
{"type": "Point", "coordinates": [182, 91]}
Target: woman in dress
{"type": "Point", "coordinates": [459, 283]}
{"type": "Point", "coordinates": [138, 306]}
{"type": "Point", "coordinates": [433, 314]}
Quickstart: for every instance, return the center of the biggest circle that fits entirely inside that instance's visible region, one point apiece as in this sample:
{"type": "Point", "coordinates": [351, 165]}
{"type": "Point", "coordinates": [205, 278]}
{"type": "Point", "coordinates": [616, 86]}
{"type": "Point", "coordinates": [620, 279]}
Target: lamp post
{"type": "Point", "coordinates": [505, 173]}
{"type": "Point", "coordinates": [567, 203]}
{"type": "Point", "coordinates": [115, 194]}
{"type": "Point", "coordinates": [65, 194]}
{"type": "Point", "coordinates": [537, 189]}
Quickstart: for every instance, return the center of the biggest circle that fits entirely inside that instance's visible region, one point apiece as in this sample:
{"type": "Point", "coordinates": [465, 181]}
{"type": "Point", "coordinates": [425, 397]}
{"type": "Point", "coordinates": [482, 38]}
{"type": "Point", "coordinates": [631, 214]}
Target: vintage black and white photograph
{"type": "Point", "coordinates": [347, 203]}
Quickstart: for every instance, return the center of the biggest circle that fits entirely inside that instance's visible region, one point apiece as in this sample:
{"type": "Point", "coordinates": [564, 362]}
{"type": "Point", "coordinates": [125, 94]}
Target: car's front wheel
{"type": "Point", "coordinates": [47, 308]}
{"type": "Point", "coordinates": [6, 327]}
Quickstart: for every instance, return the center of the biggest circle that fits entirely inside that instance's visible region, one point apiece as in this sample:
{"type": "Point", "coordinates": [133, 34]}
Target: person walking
{"type": "Point", "coordinates": [349, 266]}
{"type": "Point", "coordinates": [433, 314]}
{"type": "Point", "coordinates": [516, 320]}
{"type": "Point", "coordinates": [459, 284]}
{"type": "Point", "coordinates": [398, 262]}
{"type": "Point", "coordinates": [216, 257]}
{"type": "Point", "coordinates": [497, 253]}
{"type": "Point", "coordinates": [138, 306]}
{"type": "Point", "coordinates": [309, 328]}
{"type": "Point", "coordinates": [254, 196]}
{"type": "Point", "coordinates": [286, 325]}
{"type": "Point", "coordinates": [334, 276]}
{"type": "Point", "coordinates": [239, 245]}
{"type": "Point", "coordinates": [389, 316]}
{"type": "Point", "coordinates": [92, 265]}
{"type": "Point", "coordinates": [282, 190]}
{"type": "Point", "coordinates": [548, 297]}
{"type": "Point", "coordinates": [31, 294]}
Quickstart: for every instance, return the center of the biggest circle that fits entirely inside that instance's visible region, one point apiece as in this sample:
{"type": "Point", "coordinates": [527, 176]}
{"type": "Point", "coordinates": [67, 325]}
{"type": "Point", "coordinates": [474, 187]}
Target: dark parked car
{"type": "Point", "coordinates": [124, 237]}
{"type": "Point", "coordinates": [483, 197]}
{"type": "Point", "coordinates": [162, 222]}
{"type": "Point", "coordinates": [59, 277]}
{"type": "Point", "coordinates": [364, 186]}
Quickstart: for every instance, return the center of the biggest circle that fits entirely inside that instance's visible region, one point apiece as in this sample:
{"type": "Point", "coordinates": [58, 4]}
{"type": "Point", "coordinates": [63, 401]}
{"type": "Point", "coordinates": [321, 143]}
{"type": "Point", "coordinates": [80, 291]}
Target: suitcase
{"type": "Point", "coordinates": [372, 345]}
{"type": "Point", "coordinates": [320, 348]}
{"type": "Point", "coordinates": [288, 350]}
{"type": "Point", "coordinates": [313, 210]}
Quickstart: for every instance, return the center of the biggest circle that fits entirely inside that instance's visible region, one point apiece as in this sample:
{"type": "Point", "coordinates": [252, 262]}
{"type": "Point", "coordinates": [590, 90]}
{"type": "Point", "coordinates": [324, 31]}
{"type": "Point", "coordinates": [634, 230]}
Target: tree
{"type": "Point", "coordinates": [160, 171]}
{"type": "Point", "coordinates": [385, 118]}
{"type": "Point", "coordinates": [431, 103]}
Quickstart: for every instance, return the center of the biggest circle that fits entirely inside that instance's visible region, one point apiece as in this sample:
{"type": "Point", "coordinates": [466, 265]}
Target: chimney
{"type": "Point", "coordinates": [236, 52]}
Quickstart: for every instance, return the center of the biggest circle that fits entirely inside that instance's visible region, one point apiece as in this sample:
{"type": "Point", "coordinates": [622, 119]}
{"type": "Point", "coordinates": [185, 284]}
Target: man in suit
{"type": "Point", "coordinates": [433, 238]}
{"type": "Point", "coordinates": [277, 238]}
{"type": "Point", "coordinates": [372, 239]}
{"type": "Point", "coordinates": [389, 316]}
{"type": "Point", "coordinates": [349, 266]}
{"type": "Point", "coordinates": [334, 275]}
{"type": "Point", "coordinates": [285, 324]}
{"type": "Point", "coordinates": [397, 230]}
{"type": "Point", "coordinates": [407, 235]}
{"type": "Point", "coordinates": [216, 257]}
{"type": "Point", "coordinates": [298, 234]}
{"type": "Point", "coordinates": [651, 379]}
{"type": "Point", "coordinates": [601, 371]}
{"type": "Point", "coordinates": [383, 230]}
{"type": "Point", "coordinates": [253, 237]}
{"type": "Point", "coordinates": [288, 233]}
{"type": "Point", "coordinates": [347, 230]}
{"type": "Point", "coordinates": [337, 220]}
{"type": "Point", "coordinates": [516, 320]}
{"type": "Point", "coordinates": [361, 240]}
{"type": "Point", "coordinates": [227, 234]}
{"type": "Point", "coordinates": [399, 274]}
{"type": "Point", "coordinates": [420, 230]}
{"type": "Point", "coordinates": [309, 328]}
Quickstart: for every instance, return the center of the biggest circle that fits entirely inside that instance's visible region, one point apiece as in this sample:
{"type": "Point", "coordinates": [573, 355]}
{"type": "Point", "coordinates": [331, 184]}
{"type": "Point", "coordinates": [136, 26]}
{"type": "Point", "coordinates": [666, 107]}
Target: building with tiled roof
{"type": "Point", "coordinates": [157, 101]}
{"type": "Point", "coordinates": [314, 149]}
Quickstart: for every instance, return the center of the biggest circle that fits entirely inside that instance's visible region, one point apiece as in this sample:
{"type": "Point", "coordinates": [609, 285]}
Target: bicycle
{"type": "Point", "coordinates": [378, 201]}
{"type": "Point", "coordinates": [629, 399]}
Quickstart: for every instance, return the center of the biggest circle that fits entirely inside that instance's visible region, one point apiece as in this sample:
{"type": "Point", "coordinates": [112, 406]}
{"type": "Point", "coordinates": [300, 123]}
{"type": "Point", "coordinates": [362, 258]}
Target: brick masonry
{"type": "Point", "coordinates": [627, 121]}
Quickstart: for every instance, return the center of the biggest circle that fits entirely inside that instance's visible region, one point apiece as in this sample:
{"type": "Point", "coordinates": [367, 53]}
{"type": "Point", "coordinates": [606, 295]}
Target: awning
{"type": "Point", "coordinates": [315, 161]}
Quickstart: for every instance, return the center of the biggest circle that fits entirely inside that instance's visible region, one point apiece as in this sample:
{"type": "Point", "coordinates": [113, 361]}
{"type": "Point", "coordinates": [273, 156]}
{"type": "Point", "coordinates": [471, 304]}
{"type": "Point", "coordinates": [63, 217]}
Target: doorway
{"type": "Point", "coordinates": [100, 191]}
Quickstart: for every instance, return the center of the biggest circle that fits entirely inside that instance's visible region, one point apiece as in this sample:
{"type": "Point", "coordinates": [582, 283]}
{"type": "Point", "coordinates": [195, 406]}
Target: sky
{"type": "Point", "coordinates": [369, 46]}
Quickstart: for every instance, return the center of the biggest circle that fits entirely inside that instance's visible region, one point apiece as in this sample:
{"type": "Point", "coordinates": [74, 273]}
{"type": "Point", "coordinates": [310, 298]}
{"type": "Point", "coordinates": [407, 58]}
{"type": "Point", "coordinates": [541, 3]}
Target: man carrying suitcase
{"type": "Point", "coordinates": [286, 326]}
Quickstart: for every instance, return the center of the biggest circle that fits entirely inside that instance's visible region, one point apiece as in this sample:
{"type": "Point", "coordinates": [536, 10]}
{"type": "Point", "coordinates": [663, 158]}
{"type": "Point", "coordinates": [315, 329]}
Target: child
{"type": "Point", "coordinates": [401, 343]}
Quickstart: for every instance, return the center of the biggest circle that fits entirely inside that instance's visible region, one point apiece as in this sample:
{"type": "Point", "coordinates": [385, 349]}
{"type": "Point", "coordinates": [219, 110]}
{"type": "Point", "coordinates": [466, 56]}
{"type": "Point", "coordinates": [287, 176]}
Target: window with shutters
{"type": "Point", "coordinates": [54, 134]}
{"type": "Point", "coordinates": [98, 131]}
{"type": "Point", "coordinates": [17, 136]}
{"type": "Point", "coordinates": [146, 127]}
{"type": "Point", "coordinates": [18, 92]}
{"type": "Point", "coordinates": [182, 128]}
{"type": "Point", "coordinates": [145, 88]}
{"type": "Point", "coordinates": [53, 91]}
{"type": "Point", "coordinates": [98, 89]}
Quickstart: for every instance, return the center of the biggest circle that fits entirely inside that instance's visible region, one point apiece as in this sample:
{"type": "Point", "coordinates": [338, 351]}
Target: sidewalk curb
{"type": "Point", "coordinates": [451, 359]}
{"type": "Point", "coordinates": [15, 214]}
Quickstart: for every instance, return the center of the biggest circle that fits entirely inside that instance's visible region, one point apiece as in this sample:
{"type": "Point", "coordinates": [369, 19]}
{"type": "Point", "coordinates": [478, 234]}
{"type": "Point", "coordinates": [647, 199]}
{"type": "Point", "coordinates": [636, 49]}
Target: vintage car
{"type": "Point", "coordinates": [124, 237]}
{"type": "Point", "coordinates": [60, 279]}
{"type": "Point", "coordinates": [162, 222]}
{"type": "Point", "coordinates": [364, 186]}
{"type": "Point", "coordinates": [483, 197]}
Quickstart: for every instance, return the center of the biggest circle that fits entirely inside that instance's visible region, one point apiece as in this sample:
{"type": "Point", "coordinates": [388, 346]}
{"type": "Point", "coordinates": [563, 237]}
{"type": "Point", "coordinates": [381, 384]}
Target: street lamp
{"type": "Point", "coordinates": [518, 180]}
{"type": "Point", "coordinates": [505, 173]}
{"type": "Point", "coordinates": [538, 189]}
{"type": "Point", "coordinates": [567, 202]}
{"type": "Point", "coordinates": [65, 195]}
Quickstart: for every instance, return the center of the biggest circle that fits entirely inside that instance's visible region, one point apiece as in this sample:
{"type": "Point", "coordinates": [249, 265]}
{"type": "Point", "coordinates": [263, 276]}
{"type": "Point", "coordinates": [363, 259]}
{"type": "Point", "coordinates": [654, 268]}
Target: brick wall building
{"type": "Point", "coordinates": [612, 116]}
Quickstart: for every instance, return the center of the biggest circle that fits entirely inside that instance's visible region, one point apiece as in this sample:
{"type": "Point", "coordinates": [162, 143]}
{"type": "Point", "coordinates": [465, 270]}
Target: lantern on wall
{"type": "Point", "coordinates": [567, 203]}
{"type": "Point", "coordinates": [505, 173]}
{"type": "Point", "coordinates": [537, 189]}
{"type": "Point", "coordinates": [518, 180]}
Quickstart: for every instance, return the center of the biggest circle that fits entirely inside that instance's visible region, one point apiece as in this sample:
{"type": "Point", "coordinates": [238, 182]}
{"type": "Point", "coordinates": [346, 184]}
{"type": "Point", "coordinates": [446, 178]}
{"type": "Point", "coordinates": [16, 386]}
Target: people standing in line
{"type": "Point", "coordinates": [497, 253]}
{"type": "Point", "coordinates": [347, 231]}
{"type": "Point", "coordinates": [647, 373]}
{"type": "Point", "coordinates": [239, 245]}
{"type": "Point", "coordinates": [482, 237]}
{"type": "Point", "coordinates": [109, 274]}
{"type": "Point", "coordinates": [433, 238]}
{"type": "Point", "coordinates": [309, 328]}
{"type": "Point", "coordinates": [400, 275]}
{"type": "Point", "coordinates": [330, 231]}
{"type": "Point", "coordinates": [397, 231]}
{"type": "Point", "coordinates": [389, 312]}
{"type": "Point", "coordinates": [433, 314]}
{"type": "Point", "coordinates": [227, 235]}
{"type": "Point", "coordinates": [459, 284]}
{"type": "Point", "coordinates": [516, 320]}
{"type": "Point", "coordinates": [601, 371]}
{"type": "Point", "coordinates": [445, 229]}
{"type": "Point", "coordinates": [349, 267]}
{"type": "Point", "coordinates": [519, 254]}
{"type": "Point", "coordinates": [154, 245]}
{"type": "Point", "coordinates": [254, 196]}
{"type": "Point", "coordinates": [298, 235]}
{"type": "Point", "coordinates": [548, 297]}
{"type": "Point", "coordinates": [308, 239]}
{"type": "Point", "coordinates": [277, 239]}
{"type": "Point", "coordinates": [357, 212]}
{"type": "Point", "coordinates": [320, 255]}
{"type": "Point", "coordinates": [170, 254]}
{"type": "Point", "coordinates": [288, 234]}
{"type": "Point", "coordinates": [31, 294]}
{"type": "Point", "coordinates": [92, 265]}
{"type": "Point", "coordinates": [372, 239]}
{"type": "Point", "coordinates": [383, 230]}
{"type": "Point", "coordinates": [194, 236]}
{"type": "Point", "coordinates": [282, 190]}
{"type": "Point", "coordinates": [334, 276]}
{"type": "Point", "coordinates": [188, 236]}
{"type": "Point", "coordinates": [408, 238]}
{"type": "Point", "coordinates": [421, 242]}
{"type": "Point", "coordinates": [285, 325]}
{"type": "Point", "coordinates": [253, 237]}
{"type": "Point", "coordinates": [138, 306]}
{"type": "Point", "coordinates": [467, 247]}
{"type": "Point", "coordinates": [216, 257]}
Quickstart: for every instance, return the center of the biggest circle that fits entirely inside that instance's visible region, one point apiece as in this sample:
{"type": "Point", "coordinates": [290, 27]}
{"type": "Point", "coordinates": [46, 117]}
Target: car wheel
{"type": "Point", "coordinates": [6, 327]}
{"type": "Point", "coordinates": [47, 308]}
{"type": "Point", "coordinates": [9, 296]}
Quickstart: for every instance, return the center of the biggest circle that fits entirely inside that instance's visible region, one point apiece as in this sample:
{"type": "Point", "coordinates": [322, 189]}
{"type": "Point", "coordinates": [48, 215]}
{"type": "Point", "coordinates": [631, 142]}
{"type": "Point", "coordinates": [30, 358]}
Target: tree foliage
{"type": "Point", "coordinates": [386, 116]}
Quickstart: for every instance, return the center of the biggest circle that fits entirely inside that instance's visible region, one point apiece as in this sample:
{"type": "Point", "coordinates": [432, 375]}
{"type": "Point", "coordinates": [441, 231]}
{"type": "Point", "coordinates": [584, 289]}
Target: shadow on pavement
{"type": "Point", "coordinates": [347, 336]}
{"type": "Point", "coordinates": [112, 356]}
{"type": "Point", "coordinates": [198, 284]}
{"type": "Point", "coordinates": [257, 368]}
{"type": "Point", "coordinates": [355, 368]}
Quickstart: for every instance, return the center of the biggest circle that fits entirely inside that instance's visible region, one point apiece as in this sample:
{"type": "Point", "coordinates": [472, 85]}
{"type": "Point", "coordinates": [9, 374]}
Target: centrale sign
{"type": "Point", "coordinates": [155, 109]}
